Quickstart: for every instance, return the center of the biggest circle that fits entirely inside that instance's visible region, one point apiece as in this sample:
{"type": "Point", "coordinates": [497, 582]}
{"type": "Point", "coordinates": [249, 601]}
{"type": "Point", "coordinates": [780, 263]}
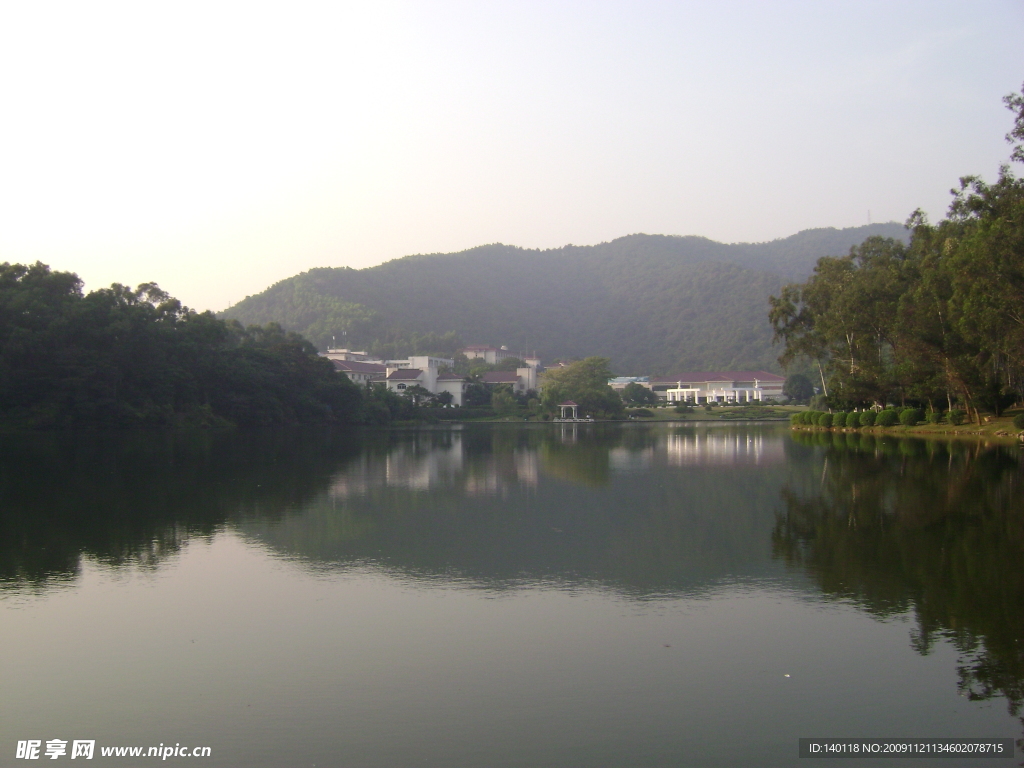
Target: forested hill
{"type": "Point", "coordinates": [652, 303]}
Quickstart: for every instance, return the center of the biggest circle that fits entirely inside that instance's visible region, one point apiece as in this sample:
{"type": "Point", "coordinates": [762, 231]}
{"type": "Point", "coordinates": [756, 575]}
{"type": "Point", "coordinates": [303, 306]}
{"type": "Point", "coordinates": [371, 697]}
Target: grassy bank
{"type": "Point", "coordinates": [993, 428]}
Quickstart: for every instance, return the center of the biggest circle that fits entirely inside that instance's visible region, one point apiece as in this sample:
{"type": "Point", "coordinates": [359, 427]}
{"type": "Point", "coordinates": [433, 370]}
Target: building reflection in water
{"type": "Point", "coordinates": [416, 465]}
{"type": "Point", "coordinates": [720, 448]}
{"type": "Point", "coordinates": [577, 454]}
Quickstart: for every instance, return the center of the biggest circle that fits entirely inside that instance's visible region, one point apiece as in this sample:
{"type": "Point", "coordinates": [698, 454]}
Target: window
{"type": "Point", "coordinates": [400, 386]}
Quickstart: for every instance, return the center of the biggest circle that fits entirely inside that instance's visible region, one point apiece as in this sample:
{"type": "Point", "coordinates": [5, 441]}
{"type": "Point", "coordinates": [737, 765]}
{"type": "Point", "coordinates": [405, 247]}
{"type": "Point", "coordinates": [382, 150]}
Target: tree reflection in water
{"type": "Point", "coordinates": [932, 527]}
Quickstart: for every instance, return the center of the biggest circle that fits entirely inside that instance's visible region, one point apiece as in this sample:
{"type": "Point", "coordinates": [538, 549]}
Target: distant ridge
{"type": "Point", "coordinates": [652, 303]}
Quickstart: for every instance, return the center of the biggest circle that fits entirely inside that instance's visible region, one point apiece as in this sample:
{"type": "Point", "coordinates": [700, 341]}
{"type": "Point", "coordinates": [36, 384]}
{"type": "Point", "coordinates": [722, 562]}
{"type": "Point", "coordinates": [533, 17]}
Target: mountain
{"type": "Point", "coordinates": [652, 303]}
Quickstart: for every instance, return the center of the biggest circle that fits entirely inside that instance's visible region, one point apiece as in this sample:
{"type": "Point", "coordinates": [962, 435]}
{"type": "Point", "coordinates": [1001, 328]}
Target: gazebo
{"type": "Point", "coordinates": [568, 405]}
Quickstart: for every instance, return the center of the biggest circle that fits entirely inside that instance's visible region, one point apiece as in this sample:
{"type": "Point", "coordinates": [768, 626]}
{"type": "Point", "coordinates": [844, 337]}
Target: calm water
{"type": "Point", "coordinates": [544, 595]}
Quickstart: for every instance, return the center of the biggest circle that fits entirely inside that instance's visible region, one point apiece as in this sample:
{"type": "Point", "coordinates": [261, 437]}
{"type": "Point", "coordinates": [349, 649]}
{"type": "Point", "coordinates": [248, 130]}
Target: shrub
{"type": "Point", "coordinates": [910, 416]}
{"type": "Point", "coordinates": [825, 420]}
{"type": "Point", "coordinates": [956, 417]}
{"type": "Point", "coordinates": [887, 418]}
{"type": "Point", "coordinates": [867, 418]}
{"type": "Point", "coordinates": [1018, 421]}
{"type": "Point", "coordinates": [839, 419]}
{"type": "Point", "coordinates": [935, 417]}
{"type": "Point", "coordinates": [796, 419]}
{"type": "Point", "coordinates": [682, 408]}
{"type": "Point", "coordinates": [641, 412]}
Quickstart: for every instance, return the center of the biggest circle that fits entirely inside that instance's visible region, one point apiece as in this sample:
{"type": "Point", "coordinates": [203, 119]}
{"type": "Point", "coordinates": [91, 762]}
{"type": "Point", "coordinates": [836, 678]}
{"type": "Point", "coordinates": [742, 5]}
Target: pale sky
{"type": "Point", "coordinates": [217, 147]}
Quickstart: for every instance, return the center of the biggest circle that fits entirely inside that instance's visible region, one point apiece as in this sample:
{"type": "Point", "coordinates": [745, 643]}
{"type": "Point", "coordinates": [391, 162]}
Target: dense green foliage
{"type": "Point", "coordinates": [798, 388]}
{"type": "Point", "coordinates": [1018, 421]}
{"type": "Point", "coordinates": [653, 304]}
{"type": "Point", "coordinates": [585, 383]}
{"type": "Point", "coordinates": [887, 418]}
{"type": "Point", "coordinates": [121, 357]}
{"type": "Point", "coordinates": [939, 319]}
{"type": "Point", "coordinates": [909, 417]}
{"type": "Point", "coordinates": [638, 394]}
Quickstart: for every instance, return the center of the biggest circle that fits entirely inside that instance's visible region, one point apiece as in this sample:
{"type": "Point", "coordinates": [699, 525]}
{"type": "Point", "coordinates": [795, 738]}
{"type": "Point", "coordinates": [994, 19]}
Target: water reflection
{"type": "Point", "coordinates": [577, 503]}
{"type": "Point", "coordinates": [136, 499]}
{"type": "Point", "coordinates": [640, 512]}
{"type": "Point", "coordinates": [929, 527]}
{"type": "Point", "coordinates": [695, 448]}
{"type": "Point", "coordinates": [504, 507]}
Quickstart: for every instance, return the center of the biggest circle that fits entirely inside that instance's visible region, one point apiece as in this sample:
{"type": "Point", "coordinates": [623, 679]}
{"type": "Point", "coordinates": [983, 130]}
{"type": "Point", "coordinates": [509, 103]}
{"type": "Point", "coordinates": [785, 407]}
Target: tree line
{"type": "Point", "coordinates": [120, 357]}
{"type": "Point", "coordinates": [936, 322]}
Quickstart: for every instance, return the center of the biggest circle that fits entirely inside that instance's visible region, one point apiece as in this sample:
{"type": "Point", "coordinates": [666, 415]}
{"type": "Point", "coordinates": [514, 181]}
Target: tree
{"type": "Point", "coordinates": [477, 395]}
{"type": "Point", "coordinates": [798, 388]}
{"type": "Point", "coordinates": [503, 401]}
{"type": "Point", "coordinates": [125, 357]}
{"type": "Point", "coordinates": [509, 364]}
{"type": "Point", "coordinates": [585, 382]}
{"type": "Point", "coordinates": [847, 318]}
{"type": "Point", "coordinates": [418, 394]}
{"type": "Point", "coordinates": [635, 393]}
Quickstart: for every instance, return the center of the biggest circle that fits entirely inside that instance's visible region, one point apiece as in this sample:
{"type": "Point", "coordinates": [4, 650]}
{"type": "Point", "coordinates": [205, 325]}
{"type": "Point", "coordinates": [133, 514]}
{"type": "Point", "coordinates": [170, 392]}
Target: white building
{"type": "Point", "coordinates": [361, 373]}
{"type": "Point", "coordinates": [430, 366]}
{"type": "Point", "coordinates": [490, 355]}
{"type": "Point", "coordinates": [453, 383]}
{"type": "Point", "coordinates": [718, 387]}
{"type": "Point", "coordinates": [348, 355]}
{"type": "Point", "coordinates": [521, 379]}
{"type": "Point", "coordinates": [619, 383]}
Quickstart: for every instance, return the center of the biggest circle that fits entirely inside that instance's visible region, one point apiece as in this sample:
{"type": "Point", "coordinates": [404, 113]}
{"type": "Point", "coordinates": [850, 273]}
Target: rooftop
{"type": "Point", "coordinates": [501, 377]}
{"type": "Point", "coordinates": [405, 373]}
{"type": "Point", "coordinates": [352, 366]}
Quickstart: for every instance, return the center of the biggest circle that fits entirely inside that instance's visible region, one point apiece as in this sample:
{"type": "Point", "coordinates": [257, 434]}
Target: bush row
{"type": "Point", "coordinates": [907, 416]}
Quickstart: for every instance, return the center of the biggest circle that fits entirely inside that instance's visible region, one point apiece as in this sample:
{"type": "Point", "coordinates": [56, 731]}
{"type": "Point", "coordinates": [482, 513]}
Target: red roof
{"type": "Point", "coordinates": [405, 373]}
{"type": "Point", "coordinates": [501, 377]}
{"type": "Point", "coordinates": [568, 402]}
{"type": "Point", "coordinates": [450, 377]}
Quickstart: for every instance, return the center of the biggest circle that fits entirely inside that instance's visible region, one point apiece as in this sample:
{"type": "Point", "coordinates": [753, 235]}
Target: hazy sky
{"type": "Point", "coordinates": [216, 147]}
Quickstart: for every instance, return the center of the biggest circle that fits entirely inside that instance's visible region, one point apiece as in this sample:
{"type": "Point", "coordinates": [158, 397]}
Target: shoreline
{"type": "Point", "coordinates": [995, 431]}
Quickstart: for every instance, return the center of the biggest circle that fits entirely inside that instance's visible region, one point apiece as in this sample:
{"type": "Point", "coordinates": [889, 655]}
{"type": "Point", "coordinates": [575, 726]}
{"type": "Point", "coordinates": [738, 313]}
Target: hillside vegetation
{"type": "Point", "coordinates": [650, 303]}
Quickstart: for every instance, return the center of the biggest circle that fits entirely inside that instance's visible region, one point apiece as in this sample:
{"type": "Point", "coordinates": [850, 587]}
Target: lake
{"type": "Point", "coordinates": [508, 595]}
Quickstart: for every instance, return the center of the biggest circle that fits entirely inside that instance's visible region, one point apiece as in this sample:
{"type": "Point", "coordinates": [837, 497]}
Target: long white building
{"type": "Point", "coordinates": [718, 387]}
